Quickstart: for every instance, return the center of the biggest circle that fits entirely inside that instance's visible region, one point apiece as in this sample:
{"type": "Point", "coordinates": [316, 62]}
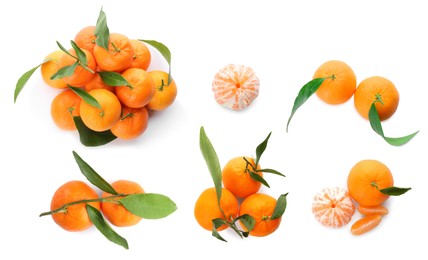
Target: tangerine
{"type": "Point", "coordinates": [81, 75]}
{"type": "Point", "coordinates": [132, 124]}
{"type": "Point", "coordinates": [140, 90]}
{"type": "Point", "coordinates": [119, 55]}
{"type": "Point", "coordinates": [50, 67]}
{"type": "Point", "coordinates": [85, 38]}
{"type": "Point", "coordinates": [164, 94]}
{"type": "Point", "coordinates": [142, 56]}
{"type": "Point", "coordinates": [64, 107]}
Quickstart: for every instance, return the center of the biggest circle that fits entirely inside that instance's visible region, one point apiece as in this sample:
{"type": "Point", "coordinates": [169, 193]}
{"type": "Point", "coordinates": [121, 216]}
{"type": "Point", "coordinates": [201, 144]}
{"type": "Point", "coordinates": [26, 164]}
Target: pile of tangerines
{"type": "Point", "coordinates": [104, 82]}
{"type": "Point", "coordinates": [238, 183]}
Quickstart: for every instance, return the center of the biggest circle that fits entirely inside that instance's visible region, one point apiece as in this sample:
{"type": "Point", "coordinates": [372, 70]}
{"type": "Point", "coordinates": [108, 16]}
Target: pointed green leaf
{"type": "Point", "coordinates": [271, 171]}
{"type": "Point", "coordinates": [65, 71]}
{"type": "Point", "coordinates": [165, 53]}
{"type": "Point", "coordinates": [101, 31]}
{"type": "Point", "coordinates": [89, 137]}
{"type": "Point", "coordinates": [375, 123]}
{"type": "Point", "coordinates": [64, 49]}
{"type": "Point", "coordinates": [80, 54]}
{"type": "Point", "coordinates": [248, 221]}
{"type": "Point", "coordinates": [24, 79]}
{"type": "Point", "coordinates": [212, 161]}
{"type": "Point", "coordinates": [305, 92]}
{"type": "Point", "coordinates": [99, 222]}
{"type": "Point", "coordinates": [281, 205]}
{"type": "Point", "coordinates": [258, 178]}
{"type": "Point", "coordinates": [85, 96]}
{"type": "Point", "coordinates": [261, 148]}
{"type": "Point", "coordinates": [218, 222]}
{"type": "Point", "coordinates": [113, 79]}
{"type": "Point", "coordinates": [92, 176]}
{"type": "Point", "coordinates": [394, 191]}
{"type": "Point", "coordinates": [149, 205]}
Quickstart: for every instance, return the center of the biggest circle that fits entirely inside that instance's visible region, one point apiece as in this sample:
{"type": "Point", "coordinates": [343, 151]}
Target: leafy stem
{"type": "Point", "coordinates": [64, 207]}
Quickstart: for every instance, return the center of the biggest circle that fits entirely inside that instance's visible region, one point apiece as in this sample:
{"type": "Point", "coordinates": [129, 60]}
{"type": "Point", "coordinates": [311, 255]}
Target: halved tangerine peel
{"type": "Point", "coordinates": [333, 207]}
{"type": "Point", "coordinates": [235, 86]}
{"type": "Point", "coordinates": [376, 210]}
{"type": "Point", "coordinates": [365, 224]}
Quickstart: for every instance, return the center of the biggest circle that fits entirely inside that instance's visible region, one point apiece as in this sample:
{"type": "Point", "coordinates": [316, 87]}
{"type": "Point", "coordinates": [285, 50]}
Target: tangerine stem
{"type": "Point", "coordinates": [64, 207]}
{"type": "Point", "coordinates": [374, 184]}
{"type": "Point", "coordinates": [378, 98]}
{"type": "Point", "coordinates": [115, 48]}
{"type": "Point", "coordinates": [130, 114]}
{"type": "Point", "coordinates": [332, 77]}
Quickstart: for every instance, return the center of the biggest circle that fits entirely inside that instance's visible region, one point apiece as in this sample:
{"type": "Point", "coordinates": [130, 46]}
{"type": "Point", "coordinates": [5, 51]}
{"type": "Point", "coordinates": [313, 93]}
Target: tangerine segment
{"type": "Point", "coordinates": [365, 224]}
{"type": "Point", "coordinates": [116, 213]}
{"type": "Point", "coordinates": [365, 180]}
{"type": "Point", "coordinates": [207, 208]}
{"type": "Point", "coordinates": [64, 107]}
{"type": "Point", "coordinates": [260, 207]}
{"type": "Point", "coordinates": [376, 88]}
{"type": "Point", "coordinates": [376, 210]}
{"type": "Point", "coordinates": [75, 217]}
{"type": "Point", "coordinates": [101, 119]}
{"type": "Point", "coordinates": [333, 207]}
{"type": "Point", "coordinates": [235, 86]}
{"type": "Point", "coordinates": [340, 82]}
{"type": "Point", "coordinates": [51, 67]}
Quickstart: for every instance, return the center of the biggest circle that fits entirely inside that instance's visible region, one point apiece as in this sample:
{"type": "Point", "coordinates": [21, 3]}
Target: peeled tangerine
{"type": "Point", "coordinates": [333, 207]}
{"type": "Point", "coordinates": [235, 86]}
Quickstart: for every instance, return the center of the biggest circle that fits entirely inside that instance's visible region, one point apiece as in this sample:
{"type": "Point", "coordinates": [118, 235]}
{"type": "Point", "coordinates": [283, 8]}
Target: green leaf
{"type": "Point", "coordinates": [281, 205]}
{"type": "Point", "coordinates": [261, 148]}
{"type": "Point", "coordinates": [80, 54]}
{"type": "Point", "coordinates": [113, 79]}
{"type": "Point", "coordinates": [394, 191]}
{"type": "Point", "coordinates": [165, 53]}
{"type": "Point", "coordinates": [149, 205]}
{"type": "Point", "coordinates": [65, 50]}
{"type": "Point", "coordinates": [85, 96]}
{"type": "Point", "coordinates": [218, 222]}
{"type": "Point", "coordinates": [305, 92]}
{"type": "Point", "coordinates": [24, 79]}
{"type": "Point", "coordinates": [271, 171]}
{"type": "Point", "coordinates": [248, 221]}
{"type": "Point", "coordinates": [99, 222]}
{"type": "Point", "coordinates": [212, 161]}
{"type": "Point", "coordinates": [65, 71]}
{"type": "Point", "coordinates": [92, 176]}
{"type": "Point", "coordinates": [101, 31]}
{"type": "Point", "coordinates": [377, 127]}
{"type": "Point", "coordinates": [89, 137]}
{"type": "Point", "coordinates": [258, 178]}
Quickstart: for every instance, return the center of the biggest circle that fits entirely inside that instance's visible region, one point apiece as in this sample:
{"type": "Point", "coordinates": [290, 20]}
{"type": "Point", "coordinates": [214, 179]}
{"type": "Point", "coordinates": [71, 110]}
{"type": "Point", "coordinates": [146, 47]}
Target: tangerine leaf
{"type": "Point", "coordinates": [305, 92]}
{"type": "Point", "coordinates": [394, 191]}
{"type": "Point", "coordinates": [101, 31]}
{"type": "Point", "coordinates": [64, 49]}
{"type": "Point", "coordinates": [376, 125]}
{"type": "Point", "coordinates": [24, 79]}
{"type": "Point", "coordinates": [149, 205]}
{"type": "Point", "coordinates": [65, 71]}
{"type": "Point", "coordinates": [89, 137]}
{"type": "Point", "coordinates": [85, 96]}
{"type": "Point", "coordinates": [218, 222]}
{"type": "Point", "coordinates": [271, 171]}
{"type": "Point", "coordinates": [281, 205]}
{"type": "Point", "coordinates": [99, 222]}
{"type": "Point", "coordinates": [80, 54]}
{"type": "Point", "coordinates": [113, 79]}
{"type": "Point", "coordinates": [261, 148]}
{"type": "Point", "coordinates": [92, 176]}
{"type": "Point", "coordinates": [248, 221]}
{"type": "Point", "coordinates": [165, 53]}
{"type": "Point", "coordinates": [258, 178]}
{"type": "Point", "coordinates": [211, 160]}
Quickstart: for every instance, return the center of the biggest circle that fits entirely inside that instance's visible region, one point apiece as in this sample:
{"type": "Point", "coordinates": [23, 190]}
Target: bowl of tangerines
{"type": "Point", "coordinates": [106, 90]}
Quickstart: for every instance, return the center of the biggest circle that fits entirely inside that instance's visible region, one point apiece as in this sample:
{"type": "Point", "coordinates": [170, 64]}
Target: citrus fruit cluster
{"type": "Point", "coordinates": [370, 184]}
{"type": "Point", "coordinates": [106, 88]}
{"type": "Point", "coordinates": [239, 201]}
{"type": "Point", "coordinates": [76, 206]}
{"type": "Point", "coordinates": [375, 98]}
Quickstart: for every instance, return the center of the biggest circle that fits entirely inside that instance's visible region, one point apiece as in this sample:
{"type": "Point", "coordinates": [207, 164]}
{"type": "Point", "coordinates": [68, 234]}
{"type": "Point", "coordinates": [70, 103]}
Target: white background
{"type": "Point", "coordinates": [284, 42]}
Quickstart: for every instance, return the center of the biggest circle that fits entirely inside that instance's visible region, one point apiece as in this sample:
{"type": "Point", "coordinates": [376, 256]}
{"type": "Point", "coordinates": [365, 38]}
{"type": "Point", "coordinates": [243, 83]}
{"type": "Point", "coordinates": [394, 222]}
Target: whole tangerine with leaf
{"type": "Point", "coordinates": [50, 67]}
